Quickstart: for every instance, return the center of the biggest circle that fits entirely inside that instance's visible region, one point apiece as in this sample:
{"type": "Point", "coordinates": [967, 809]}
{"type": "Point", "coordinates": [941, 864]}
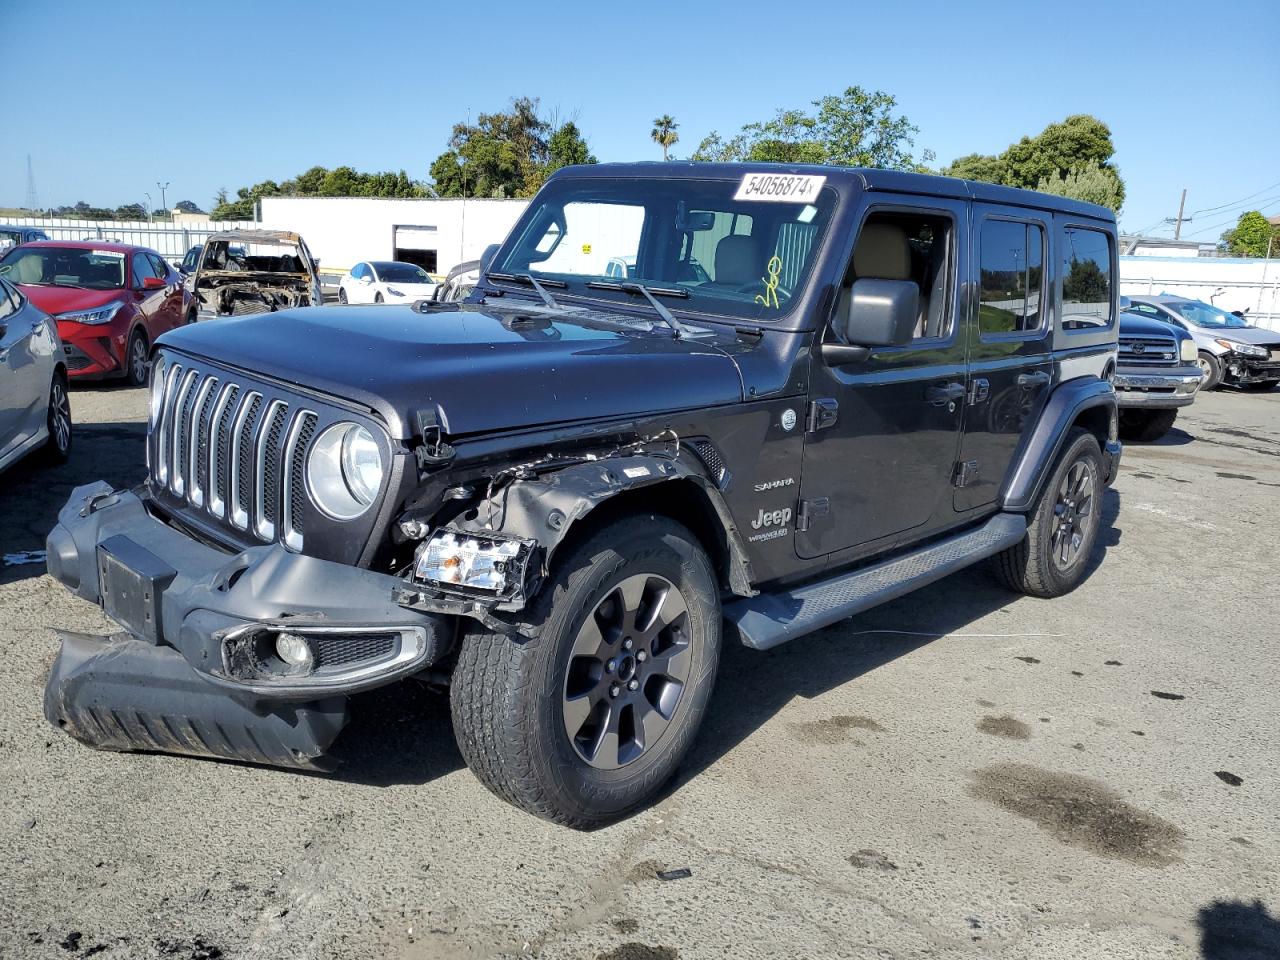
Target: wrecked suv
{"type": "Point", "coordinates": [557, 496]}
{"type": "Point", "coordinates": [254, 271]}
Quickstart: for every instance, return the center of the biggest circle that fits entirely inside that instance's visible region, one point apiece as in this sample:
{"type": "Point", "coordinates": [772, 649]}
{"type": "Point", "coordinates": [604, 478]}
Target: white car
{"type": "Point", "coordinates": [35, 412]}
{"type": "Point", "coordinates": [385, 281]}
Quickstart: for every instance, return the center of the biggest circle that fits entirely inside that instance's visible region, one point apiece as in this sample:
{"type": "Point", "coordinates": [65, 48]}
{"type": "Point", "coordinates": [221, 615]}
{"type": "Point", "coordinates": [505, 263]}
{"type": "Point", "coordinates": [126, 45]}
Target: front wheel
{"type": "Point", "coordinates": [377, 298]}
{"type": "Point", "coordinates": [1210, 370]}
{"type": "Point", "coordinates": [342, 295]}
{"type": "Point", "coordinates": [586, 722]}
{"type": "Point", "coordinates": [1146, 426]}
{"type": "Point", "coordinates": [57, 448]}
{"type": "Point", "coordinates": [136, 360]}
{"type": "Point", "coordinates": [1051, 560]}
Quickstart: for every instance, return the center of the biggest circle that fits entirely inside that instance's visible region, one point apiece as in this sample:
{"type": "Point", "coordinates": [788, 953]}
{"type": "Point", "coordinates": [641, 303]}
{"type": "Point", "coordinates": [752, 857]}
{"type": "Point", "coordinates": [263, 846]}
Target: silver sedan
{"type": "Point", "coordinates": [35, 411]}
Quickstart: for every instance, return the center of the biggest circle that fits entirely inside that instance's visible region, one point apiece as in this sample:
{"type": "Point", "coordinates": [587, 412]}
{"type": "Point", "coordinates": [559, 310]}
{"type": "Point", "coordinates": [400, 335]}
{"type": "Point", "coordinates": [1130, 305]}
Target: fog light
{"type": "Point", "coordinates": [293, 650]}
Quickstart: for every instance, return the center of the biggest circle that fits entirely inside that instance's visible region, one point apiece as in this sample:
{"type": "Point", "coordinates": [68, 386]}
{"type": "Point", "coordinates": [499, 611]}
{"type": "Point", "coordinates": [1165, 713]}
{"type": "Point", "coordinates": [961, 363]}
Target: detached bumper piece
{"type": "Point", "coordinates": [118, 693]}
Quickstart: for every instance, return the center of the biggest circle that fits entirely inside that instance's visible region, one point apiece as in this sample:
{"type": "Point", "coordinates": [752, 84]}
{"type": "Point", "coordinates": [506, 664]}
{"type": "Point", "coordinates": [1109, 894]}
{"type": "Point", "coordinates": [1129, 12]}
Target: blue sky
{"type": "Point", "coordinates": [114, 96]}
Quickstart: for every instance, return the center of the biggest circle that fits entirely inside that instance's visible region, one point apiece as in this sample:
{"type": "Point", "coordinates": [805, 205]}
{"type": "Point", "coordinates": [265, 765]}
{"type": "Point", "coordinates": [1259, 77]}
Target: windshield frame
{"type": "Point", "coordinates": [835, 209]}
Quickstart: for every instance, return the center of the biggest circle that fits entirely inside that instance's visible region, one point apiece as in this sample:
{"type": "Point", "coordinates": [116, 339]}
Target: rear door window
{"type": "Point", "coordinates": [1011, 294]}
{"type": "Point", "coordinates": [1086, 279]}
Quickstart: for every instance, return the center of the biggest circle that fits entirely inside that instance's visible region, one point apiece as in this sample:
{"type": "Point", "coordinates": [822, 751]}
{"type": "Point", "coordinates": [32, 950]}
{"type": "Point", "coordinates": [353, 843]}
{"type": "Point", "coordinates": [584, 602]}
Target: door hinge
{"type": "Point", "coordinates": [965, 473]}
{"type": "Point", "coordinates": [979, 390]}
{"type": "Point", "coordinates": [822, 414]}
{"type": "Point", "coordinates": [809, 509]}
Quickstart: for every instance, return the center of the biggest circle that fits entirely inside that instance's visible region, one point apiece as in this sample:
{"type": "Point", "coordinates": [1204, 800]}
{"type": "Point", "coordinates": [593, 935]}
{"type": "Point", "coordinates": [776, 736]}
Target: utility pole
{"type": "Point", "coordinates": [1182, 205]}
{"type": "Point", "coordinates": [165, 186]}
{"type": "Point", "coordinates": [151, 204]}
{"type": "Point", "coordinates": [33, 199]}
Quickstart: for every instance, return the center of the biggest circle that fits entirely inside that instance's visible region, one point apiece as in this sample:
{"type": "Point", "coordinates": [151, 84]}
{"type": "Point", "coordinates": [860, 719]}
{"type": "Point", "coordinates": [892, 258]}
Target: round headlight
{"type": "Point", "coordinates": [344, 470]}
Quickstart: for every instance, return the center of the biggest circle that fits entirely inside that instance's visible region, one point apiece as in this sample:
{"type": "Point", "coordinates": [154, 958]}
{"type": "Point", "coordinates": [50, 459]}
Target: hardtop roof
{"type": "Point", "coordinates": [848, 178]}
{"type": "Point", "coordinates": [256, 236]}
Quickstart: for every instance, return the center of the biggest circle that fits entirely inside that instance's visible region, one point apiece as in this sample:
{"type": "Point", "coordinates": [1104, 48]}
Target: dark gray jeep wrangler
{"type": "Point", "coordinates": [814, 389]}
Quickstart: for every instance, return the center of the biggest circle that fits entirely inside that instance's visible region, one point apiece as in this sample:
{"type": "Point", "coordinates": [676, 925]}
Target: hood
{"type": "Point", "coordinates": [1255, 335]}
{"type": "Point", "coordinates": [1134, 325]}
{"type": "Point", "coordinates": [486, 367]}
{"type": "Point", "coordinates": [55, 300]}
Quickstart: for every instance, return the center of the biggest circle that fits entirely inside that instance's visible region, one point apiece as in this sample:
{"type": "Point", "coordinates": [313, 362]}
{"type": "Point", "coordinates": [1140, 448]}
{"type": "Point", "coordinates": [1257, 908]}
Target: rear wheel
{"type": "Point", "coordinates": [1210, 370]}
{"type": "Point", "coordinates": [1146, 426]}
{"type": "Point", "coordinates": [1052, 558]}
{"type": "Point", "coordinates": [586, 722]}
{"type": "Point", "coordinates": [57, 448]}
{"type": "Point", "coordinates": [377, 298]}
{"type": "Point", "coordinates": [135, 371]}
{"type": "Point", "coordinates": [1259, 386]}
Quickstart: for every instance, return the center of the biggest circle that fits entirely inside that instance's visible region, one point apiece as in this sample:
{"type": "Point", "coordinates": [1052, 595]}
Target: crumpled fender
{"type": "Point", "coordinates": [546, 507]}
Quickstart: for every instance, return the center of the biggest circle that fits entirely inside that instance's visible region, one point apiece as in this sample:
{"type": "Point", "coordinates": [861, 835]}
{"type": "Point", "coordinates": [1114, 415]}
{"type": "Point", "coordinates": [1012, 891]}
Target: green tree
{"type": "Point", "coordinates": [1074, 146]}
{"type": "Point", "coordinates": [130, 211]}
{"type": "Point", "coordinates": [664, 133]}
{"type": "Point", "coordinates": [1251, 236]}
{"type": "Point", "coordinates": [855, 128]}
{"type": "Point", "coordinates": [317, 182]}
{"type": "Point", "coordinates": [1091, 182]}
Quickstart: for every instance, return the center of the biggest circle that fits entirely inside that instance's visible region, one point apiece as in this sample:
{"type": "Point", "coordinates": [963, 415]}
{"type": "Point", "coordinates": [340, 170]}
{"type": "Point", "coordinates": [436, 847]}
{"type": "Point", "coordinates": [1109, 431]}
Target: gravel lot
{"type": "Point", "coordinates": [959, 773]}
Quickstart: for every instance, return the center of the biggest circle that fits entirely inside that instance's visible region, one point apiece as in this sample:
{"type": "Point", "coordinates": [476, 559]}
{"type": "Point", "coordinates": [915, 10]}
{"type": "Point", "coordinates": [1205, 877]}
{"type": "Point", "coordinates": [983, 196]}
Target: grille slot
{"type": "Point", "coordinates": [235, 453]}
{"type": "Point", "coordinates": [1148, 351]}
{"type": "Point", "coordinates": [338, 649]}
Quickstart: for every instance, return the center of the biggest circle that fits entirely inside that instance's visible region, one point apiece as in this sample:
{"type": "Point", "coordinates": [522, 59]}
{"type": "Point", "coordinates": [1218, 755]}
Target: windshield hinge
{"type": "Point", "coordinates": [433, 451]}
{"type": "Point", "coordinates": [822, 414]}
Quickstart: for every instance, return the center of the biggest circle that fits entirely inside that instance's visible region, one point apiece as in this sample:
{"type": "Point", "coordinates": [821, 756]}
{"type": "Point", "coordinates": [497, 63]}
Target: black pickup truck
{"type": "Point", "coordinates": [817, 389]}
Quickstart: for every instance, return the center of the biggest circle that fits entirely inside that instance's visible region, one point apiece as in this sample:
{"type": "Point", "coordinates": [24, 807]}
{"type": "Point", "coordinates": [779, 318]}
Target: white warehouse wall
{"type": "Point", "coordinates": [1226, 282]}
{"type": "Point", "coordinates": [342, 231]}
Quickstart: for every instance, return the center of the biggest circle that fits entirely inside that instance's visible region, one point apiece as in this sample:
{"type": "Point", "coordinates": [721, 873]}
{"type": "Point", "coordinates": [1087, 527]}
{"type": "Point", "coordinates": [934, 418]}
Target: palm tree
{"type": "Point", "coordinates": [664, 133]}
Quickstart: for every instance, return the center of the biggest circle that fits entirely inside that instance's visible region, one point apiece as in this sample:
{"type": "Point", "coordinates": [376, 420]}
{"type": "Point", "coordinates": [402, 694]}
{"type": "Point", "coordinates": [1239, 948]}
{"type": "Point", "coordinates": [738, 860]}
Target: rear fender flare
{"type": "Point", "coordinates": [1038, 453]}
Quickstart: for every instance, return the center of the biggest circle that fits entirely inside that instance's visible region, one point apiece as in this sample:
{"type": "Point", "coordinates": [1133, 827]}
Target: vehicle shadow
{"type": "Point", "coordinates": [31, 493]}
{"type": "Point", "coordinates": [1234, 930]}
{"type": "Point", "coordinates": [1176, 437]}
{"type": "Point", "coordinates": [752, 687]}
{"type": "Point", "coordinates": [400, 734]}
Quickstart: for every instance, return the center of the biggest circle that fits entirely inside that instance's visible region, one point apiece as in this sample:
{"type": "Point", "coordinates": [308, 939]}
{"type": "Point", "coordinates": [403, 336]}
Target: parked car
{"type": "Point", "coordinates": [111, 301]}
{"type": "Point", "coordinates": [1156, 375]}
{"type": "Point", "coordinates": [12, 235]}
{"type": "Point", "coordinates": [1228, 349]}
{"type": "Point", "coordinates": [190, 260]}
{"type": "Point", "coordinates": [554, 494]}
{"type": "Point", "coordinates": [385, 281]}
{"type": "Point", "coordinates": [458, 283]}
{"type": "Point", "coordinates": [254, 271]}
{"type": "Point", "coordinates": [35, 412]}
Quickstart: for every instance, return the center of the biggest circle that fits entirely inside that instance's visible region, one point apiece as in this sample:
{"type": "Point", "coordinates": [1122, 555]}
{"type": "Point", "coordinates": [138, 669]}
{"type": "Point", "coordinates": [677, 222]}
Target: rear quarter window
{"type": "Point", "coordinates": [1087, 279]}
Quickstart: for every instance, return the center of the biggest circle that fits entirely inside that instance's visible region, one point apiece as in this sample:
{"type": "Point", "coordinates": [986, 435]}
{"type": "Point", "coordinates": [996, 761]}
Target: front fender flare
{"type": "Point", "coordinates": [545, 508]}
{"type": "Point", "coordinates": [1037, 455]}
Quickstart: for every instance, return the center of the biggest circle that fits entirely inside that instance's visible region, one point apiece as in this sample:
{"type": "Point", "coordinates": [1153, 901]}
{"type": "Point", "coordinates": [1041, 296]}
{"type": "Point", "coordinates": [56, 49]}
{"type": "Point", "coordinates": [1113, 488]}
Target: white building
{"type": "Point", "coordinates": [1228, 282]}
{"type": "Point", "coordinates": [435, 234]}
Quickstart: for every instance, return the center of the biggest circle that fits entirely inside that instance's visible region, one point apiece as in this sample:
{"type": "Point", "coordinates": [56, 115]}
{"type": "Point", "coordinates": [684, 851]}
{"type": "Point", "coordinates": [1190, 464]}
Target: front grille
{"type": "Point", "coordinates": [76, 358]}
{"type": "Point", "coordinates": [1147, 351]}
{"type": "Point", "coordinates": [1275, 355]}
{"type": "Point", "coordinates": [338, 649]}
{"type": "Point", "coordinates": [234, 452]}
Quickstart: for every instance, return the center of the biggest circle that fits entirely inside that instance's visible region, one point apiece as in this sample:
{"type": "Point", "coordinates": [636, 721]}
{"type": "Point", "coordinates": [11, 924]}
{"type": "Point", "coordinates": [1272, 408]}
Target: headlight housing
{"type": "Point", "coordinates": [394, 292]}
{"type": "Point", "coordinates": [492, 564]}
{"type": "Point", "coordinates": [1244, 349]}
{"type": "Point", "coordinates": [1187, 351]}
{"type": "Point", "coordinates": [157, 391]}
{"type": "Point", "coordinates": [344, 470]}
{"type": "Point", "coordinates": [94, 315]}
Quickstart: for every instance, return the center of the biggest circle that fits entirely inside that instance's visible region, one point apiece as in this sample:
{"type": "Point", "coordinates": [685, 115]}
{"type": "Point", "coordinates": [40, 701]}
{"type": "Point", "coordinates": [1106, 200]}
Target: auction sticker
{"type": "Point", "coordinates": [779, 187]}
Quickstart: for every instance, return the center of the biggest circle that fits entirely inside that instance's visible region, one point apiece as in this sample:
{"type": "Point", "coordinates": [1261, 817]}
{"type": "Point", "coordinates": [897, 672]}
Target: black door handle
{"type": "Point", "coordinates": [944, 393]}
{"type": "Point", "coordinates": [1037, 379]}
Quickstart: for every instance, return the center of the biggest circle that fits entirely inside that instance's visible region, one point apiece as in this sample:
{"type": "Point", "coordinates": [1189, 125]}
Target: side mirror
{"type": "Point", "coordinates": [153, 283]}
{"type": "Point", "coordinates": [366, 279]}
{"type": "Point", "coordinates": [1125, 302]}
{"type": "Point", "coordinates": [486, 258]}
{"type": "Point", "coordinates": [873, 313]}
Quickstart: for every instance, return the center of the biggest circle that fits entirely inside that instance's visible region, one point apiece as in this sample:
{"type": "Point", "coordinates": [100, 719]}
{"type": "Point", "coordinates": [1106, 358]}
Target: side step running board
{"type": "Point", "coordinates": [769, 619]}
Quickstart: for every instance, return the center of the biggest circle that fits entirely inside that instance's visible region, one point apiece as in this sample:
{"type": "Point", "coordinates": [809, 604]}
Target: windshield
{"type": "Point", "coordinates": [401, 273]}
{"type": "Point", "coordinates": [65, 267]}
{"type": "Point", "coordinates": [747, 258]}
{"type": "Point", "coordinates": [1205, 314]}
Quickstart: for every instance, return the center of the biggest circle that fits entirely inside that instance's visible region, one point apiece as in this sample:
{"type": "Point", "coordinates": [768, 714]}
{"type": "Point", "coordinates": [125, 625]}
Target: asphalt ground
{"type": "Point", "coordinates": [960, 773]}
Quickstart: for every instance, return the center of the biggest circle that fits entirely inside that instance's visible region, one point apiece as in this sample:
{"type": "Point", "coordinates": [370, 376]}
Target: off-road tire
{"type": "Point", "coordinates": [1146, 426]}
{"type": "Point", "coordinates": [1259, 386]}
{"type": "Point", "coordinates": [1211, 367]}
{"type": "Point", "coordinates": [1027, 566]}
{"type": "Point", "coordinates": [506, 691]}
{"type": "Point", "coordinates": [57, 449]}
{"type": "Point", "coordinates": [134, 375]}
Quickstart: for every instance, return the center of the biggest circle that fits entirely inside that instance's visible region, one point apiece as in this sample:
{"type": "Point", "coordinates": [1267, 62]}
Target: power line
{"type": "Point", "coordinates": [1234, 218]}
{"type": "Point", "coordinates": [1234, 203]}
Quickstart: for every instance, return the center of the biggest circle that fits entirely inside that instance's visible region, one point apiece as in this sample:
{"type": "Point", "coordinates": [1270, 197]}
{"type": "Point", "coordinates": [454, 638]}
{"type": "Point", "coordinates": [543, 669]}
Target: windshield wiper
{"type": "Point", "coordinates": [539, 285]}
{"type": "Point", "coordinates": [651, 294]}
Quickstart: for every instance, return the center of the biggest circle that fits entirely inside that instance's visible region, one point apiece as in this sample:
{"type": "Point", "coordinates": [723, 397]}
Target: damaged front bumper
{"type": "Point", "coordinates": [197, 669]}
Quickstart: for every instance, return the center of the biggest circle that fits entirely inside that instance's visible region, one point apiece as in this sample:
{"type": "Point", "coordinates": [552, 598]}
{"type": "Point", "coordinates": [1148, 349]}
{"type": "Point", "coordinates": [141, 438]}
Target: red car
{"type": "Point", "coordinates": [111, 301]}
